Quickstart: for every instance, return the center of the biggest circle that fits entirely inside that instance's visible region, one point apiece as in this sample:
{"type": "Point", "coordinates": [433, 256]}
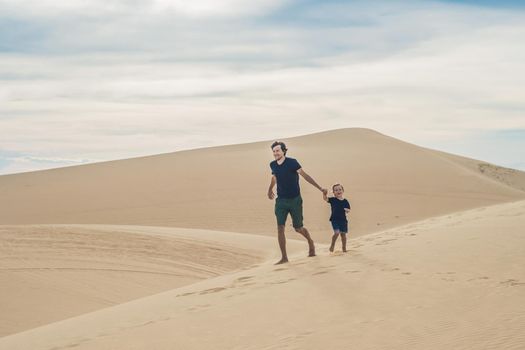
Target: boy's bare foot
{"type": "Point", "coordinates": [344, 250]}
{"type": "Point", "coordinates": [331, 249]}
{"type": "Point", "coordinates": [282, 261]}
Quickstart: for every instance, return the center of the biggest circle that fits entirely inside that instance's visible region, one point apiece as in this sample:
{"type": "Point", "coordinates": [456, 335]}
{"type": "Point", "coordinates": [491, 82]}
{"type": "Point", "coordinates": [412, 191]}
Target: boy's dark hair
{"type": "Point", "coordinates": [338, 184]}
{"type": "Point", "coordinates": [280, 143]}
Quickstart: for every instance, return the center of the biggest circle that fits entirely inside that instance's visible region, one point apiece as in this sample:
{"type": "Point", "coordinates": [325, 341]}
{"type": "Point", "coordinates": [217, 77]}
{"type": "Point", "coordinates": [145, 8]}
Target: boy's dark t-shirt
{"type": "Point", "coordinates": [338, 209]}
{"type": "Point", "coordinates": [287, 177]}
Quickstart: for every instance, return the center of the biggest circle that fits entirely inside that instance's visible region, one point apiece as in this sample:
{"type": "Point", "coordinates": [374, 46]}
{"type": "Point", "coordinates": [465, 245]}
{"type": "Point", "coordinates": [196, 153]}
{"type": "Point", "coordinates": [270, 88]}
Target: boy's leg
{"type": "Point", "coordinates": [334, 239]}
{"type": "Point", "coordinates": [343, 239]}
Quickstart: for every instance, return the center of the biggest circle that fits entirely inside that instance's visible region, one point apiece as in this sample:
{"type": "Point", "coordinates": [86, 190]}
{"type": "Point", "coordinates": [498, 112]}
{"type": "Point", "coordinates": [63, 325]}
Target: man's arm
{"type": "Point", "coordinates": [311, 180]}
{"type": "Point", "coordinates": [271, 195]}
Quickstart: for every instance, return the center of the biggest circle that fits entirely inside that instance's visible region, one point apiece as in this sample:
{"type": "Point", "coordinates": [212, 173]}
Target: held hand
{"type": "Point", "coordinates": [325, 191]}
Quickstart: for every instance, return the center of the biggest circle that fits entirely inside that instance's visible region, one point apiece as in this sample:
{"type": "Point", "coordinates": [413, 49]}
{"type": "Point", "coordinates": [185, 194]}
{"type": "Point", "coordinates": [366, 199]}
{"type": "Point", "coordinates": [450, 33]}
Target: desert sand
{"type": "Point", "coordinates": [52, 272]}
{"type": "Point", "coordinates": [118, 255]}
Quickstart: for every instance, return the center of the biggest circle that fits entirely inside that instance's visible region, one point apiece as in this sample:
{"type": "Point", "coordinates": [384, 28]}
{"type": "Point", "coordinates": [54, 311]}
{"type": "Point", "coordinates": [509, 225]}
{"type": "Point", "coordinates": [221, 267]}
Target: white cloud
{"type": "Point", "coordinates": [211, 8]}
{"type": "Point", "coordinates": [419, 74]}
{"type": "Point", "coordinates": [56, 8]}
{"type": "Point", "coordinates": [193, 8]}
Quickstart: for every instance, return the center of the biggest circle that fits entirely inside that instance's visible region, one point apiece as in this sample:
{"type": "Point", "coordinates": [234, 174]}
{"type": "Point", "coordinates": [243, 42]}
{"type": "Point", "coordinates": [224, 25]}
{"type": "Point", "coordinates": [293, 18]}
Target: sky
{"type": "Point", "coordinates": [89, 81]}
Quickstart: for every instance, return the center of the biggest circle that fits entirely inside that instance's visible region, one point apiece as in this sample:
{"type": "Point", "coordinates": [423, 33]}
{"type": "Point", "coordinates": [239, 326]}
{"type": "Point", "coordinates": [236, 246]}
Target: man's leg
{"type": "Point", "coordinates": [282, 244]}
{"type": "Point", "coordinates": [304, 232]}
{"type": "Point", "coordinates": [281, 212]}
{"type": "Point", "coordinates": [297, 217]}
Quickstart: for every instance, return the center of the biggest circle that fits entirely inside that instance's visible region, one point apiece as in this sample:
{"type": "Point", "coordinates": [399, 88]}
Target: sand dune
{"type": "Point", "coordinates": [164, 252]}
{"type": "Point", "coordinates": [389, 182]}
{"type": "Point", "coordinates": [450, 282]}
{"type": "Point", "coordinates": [52, 272]}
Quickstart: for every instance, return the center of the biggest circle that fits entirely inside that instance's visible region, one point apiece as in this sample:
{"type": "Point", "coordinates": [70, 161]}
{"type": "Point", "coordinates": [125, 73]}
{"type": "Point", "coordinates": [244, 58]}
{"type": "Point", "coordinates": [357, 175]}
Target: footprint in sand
{"type": "Point", "coordinates": [447, 279]}
{"type": "Point", "coordinates": [77, 343]}
{"type": "Point", "coordinates": [293, 338]}
{"type": "Point", "coordinates": [478, 278]}
{"type": "Point", "coordinates": [212, 290]}
{"type": "Point", "coordinates": [199, 307]}
{"type": "Point", "coordinates": [352, 271]}
{"type": "Point", "coordinates": [245, 278]}
{"type": "Point", "coordinates": [512, 282]}
{"type": "Point", "coordinates": [386, 241]}
{"type": "Point", "coordinates": [391, 269]}
{"type": "Point", "coordinates": [146, 323]}
{"type": "Point", "coordinates": [282, 281]}
{"type": "Point", "coordinates": [319, 273]}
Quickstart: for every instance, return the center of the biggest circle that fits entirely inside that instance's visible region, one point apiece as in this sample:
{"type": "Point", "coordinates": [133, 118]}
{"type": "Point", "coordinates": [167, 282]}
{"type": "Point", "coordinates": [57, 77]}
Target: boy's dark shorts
{"type": "Point", "coordinates": [294, 206]}
{"type": "Point", "coordinates": [340, 225]}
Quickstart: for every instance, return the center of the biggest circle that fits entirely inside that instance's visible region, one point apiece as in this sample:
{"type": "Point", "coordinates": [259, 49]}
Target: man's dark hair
{"type": "Point", "coordinates": [279, 143]}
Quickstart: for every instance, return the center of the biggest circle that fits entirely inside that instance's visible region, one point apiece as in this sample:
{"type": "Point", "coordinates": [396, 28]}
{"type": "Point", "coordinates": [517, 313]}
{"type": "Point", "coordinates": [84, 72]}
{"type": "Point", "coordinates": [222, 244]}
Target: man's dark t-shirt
{"type": "Point", "coordinates": [287, 177]}
{"type": "Point", "coordinates": [338, 209]}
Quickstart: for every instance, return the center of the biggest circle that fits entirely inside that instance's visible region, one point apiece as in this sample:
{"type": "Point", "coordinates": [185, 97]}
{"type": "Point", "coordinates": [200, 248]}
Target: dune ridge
{"type": "Point", "coordinates": [390, 183]}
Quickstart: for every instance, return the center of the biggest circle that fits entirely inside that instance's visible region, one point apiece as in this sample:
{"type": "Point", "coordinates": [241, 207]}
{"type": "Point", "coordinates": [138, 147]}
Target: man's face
{"type": "Point", "coordinates": [277, 152]}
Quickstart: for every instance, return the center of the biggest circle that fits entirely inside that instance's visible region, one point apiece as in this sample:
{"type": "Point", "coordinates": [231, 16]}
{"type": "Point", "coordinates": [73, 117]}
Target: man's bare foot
{"type": "Point", "coordinates": [331, 249]}
{"type": "Point", "coordinates": [344, 250]}
{"type": "Point", "coordinates": [311, 250]}
{"type": "Point", "coordinates": [282, 261]}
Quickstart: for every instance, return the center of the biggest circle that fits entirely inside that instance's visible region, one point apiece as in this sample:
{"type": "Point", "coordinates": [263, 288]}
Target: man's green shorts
{"type": "Point", "coordinates": [294, 206]}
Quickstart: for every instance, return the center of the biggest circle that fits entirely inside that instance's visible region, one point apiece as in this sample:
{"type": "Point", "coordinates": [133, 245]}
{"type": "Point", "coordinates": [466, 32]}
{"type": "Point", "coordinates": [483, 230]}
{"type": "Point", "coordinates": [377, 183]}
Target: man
{"type": "Point", "coordinates": [285, 172]}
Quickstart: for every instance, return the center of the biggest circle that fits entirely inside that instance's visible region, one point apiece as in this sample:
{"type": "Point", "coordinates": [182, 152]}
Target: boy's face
{"type": "Point", "coordinates": [338, 191]}
{"type": "Point", "coordinates": [277, 152]}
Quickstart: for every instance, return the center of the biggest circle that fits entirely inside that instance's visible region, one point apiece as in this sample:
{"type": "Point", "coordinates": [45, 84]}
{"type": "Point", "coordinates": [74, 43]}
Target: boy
{"type": "Point", "coordinates": [340, 207]}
